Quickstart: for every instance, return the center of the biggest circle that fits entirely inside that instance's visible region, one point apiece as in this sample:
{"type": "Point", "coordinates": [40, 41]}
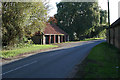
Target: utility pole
{"type": "Point", "coordinates": [109, 21]}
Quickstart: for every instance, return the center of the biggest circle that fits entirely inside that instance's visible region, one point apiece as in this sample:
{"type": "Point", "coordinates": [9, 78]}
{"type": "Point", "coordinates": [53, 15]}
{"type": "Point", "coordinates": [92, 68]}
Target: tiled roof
{"type": "Point", "coordinates": [53, 29]}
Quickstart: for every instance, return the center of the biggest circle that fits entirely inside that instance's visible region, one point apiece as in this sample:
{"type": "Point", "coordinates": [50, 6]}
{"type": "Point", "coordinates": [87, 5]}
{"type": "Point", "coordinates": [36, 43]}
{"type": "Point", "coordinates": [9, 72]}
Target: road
{"type": "Point", "coordinates": [57, 63]}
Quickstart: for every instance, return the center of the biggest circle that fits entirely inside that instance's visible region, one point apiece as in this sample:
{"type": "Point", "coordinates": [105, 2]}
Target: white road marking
{"type": "Point", "coordinates": [18, 68]}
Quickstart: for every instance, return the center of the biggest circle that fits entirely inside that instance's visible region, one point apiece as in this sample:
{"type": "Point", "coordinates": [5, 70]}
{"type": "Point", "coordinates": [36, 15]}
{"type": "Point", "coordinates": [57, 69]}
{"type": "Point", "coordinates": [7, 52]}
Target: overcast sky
{"type": "Point", "coordinates": [102, 3]}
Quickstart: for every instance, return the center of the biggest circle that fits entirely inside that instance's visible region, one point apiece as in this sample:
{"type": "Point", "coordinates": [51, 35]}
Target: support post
{"type": "Point", "coordinates": [68, 38]}
{"type": "Point", "coordinates": [64, 38]}
{"type": "Point", "coordinates": [44, 39]}
{"type": "Point", "coordinates": [61, 38]}
{"type": "Point", "coordinates": [58, 38]}
{"type": "Point", "coordinates": [54, 38]}
{"type": "Point", "coordinates": [41, 37]}
{"type": "Point", "coordinates": [49, 39]}
{"type": "Point", "coordinates": [109, 21]}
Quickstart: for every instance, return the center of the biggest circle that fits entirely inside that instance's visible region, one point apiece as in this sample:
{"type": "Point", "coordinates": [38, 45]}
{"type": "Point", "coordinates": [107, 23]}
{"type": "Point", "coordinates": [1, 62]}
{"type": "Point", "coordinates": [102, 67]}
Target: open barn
{"type": "Point", "coordinates": [51, 34]}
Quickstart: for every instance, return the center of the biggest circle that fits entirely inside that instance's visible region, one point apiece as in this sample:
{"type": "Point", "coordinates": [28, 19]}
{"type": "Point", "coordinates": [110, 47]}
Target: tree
{"type": "Point", "coordinates": [52, 20]}
{"type": "Point", "coordinates": [103, 16]}
{"type": "Point", "coordinates": [78, 19]}
{"type": "Point", "coordinates": [21, 19]}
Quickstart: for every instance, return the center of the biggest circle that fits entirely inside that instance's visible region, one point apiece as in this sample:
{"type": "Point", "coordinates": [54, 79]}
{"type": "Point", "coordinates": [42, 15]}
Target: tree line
{"type": "Point", "coordinates": [20, 20]}
{"type": "Point", "coordinates": [81, 19]}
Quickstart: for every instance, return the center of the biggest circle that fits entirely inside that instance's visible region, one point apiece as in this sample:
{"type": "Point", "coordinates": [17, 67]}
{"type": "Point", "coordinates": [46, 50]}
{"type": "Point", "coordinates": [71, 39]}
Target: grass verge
{"type": "Point", "coordinates": [89, 39]}
{"type": "Point", "coordinates": [15, 52]}
{"type": "Point", "coordinates": [102, 62]}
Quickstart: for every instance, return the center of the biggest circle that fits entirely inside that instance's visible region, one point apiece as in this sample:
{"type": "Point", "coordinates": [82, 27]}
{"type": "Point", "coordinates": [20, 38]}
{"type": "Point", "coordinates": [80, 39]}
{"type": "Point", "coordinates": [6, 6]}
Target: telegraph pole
{"type": "Point", "coordinates": [109, 20]}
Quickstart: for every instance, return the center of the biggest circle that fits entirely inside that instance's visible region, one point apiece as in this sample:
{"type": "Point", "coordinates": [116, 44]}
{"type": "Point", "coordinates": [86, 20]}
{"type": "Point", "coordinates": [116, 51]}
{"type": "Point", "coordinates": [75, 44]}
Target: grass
{"type": "Point", "coordinates": [15, 52]}
{"type": "Point", "coordinates": [102, 62]}
{"type": "Point", "coordinates": [89, 39]}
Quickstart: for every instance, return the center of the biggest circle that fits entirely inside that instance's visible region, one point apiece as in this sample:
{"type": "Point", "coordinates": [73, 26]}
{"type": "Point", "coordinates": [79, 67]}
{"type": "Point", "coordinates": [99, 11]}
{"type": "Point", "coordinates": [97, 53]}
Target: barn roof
{"type": "Point", "coordinates": [53, 29]}
{"type": "Point", "coordinates": [117, 22]}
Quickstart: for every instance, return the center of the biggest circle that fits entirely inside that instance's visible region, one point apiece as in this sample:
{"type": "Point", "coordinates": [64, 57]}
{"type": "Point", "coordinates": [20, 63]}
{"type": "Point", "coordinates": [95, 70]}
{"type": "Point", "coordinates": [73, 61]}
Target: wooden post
{"type": "Point", "coordinates": [49, 39]}
{"type": "Point", "coordinates": [65, 38]}
{"type": "Point", "coordinates": [44, 39]}
{"type": "Point", "coordinates": [41, 37]}
{"type": "Point", "coordinates": [54, 38]}
{"type": "Point", "coordinates": [61, 38]}
{"type": "Point", "coordinates": [58, 38]}
{"type": "Point", "coordinates": [109, 22]}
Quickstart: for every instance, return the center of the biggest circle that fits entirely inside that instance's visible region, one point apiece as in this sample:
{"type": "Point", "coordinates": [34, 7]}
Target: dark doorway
{"type": "Point", "coordinates": [56, 38]}
{"type": "Point", "coordinates": [52, 38]}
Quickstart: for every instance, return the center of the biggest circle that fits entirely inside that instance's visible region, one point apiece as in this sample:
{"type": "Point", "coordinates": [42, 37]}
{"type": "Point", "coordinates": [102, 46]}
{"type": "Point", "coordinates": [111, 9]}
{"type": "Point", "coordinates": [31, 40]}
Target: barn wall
{"type": "Point", "coordinates": [36, 39]}
{"type": "Point", "coordinates": [117, 37]}
{"type": "Point", "coordinates": [111, 35]}
{"type": "Point", "coordinates": [114, 36]}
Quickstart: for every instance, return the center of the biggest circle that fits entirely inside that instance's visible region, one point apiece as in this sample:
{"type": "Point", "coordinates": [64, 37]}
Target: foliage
{"type": "Point", "coordinates": [103, 16]}
{"type": "Point", "coordinates": [80, 20]}
{"type": "Point", "coordinates": [78, 17]}
{"type": "Point", "coordinates": [102, 33]}
{"type": "Point", "coordinates": [0, 25]}
{"type": "Point", "coordinates": [18, 45]}
{"type": "Point", "coordinates": [90, 39]}
{"type": "Point", "coordinates": [20, 20]}
{"type": "Point", "coordinates": [52, 20]}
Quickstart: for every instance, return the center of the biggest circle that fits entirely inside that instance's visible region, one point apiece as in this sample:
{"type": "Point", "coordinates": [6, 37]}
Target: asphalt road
{"type": "Point", "coordinates": [57, 63]}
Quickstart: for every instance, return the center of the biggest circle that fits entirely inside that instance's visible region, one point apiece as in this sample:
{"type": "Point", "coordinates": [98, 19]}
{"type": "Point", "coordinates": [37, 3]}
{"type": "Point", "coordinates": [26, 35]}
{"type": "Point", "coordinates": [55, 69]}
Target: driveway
{"type": "Point", "coordinates": [56, 63]}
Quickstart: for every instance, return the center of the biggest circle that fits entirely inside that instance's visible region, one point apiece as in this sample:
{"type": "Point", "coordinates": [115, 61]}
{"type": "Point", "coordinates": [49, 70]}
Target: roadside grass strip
{"type": "Point", "coordinates": [15, 52]}
{"type": "Point", "coordinates": [102, 62]}
{"type": "Point", "coordinates": [87, 39]}
{"type": "Point", "coordinates": [90, 39]}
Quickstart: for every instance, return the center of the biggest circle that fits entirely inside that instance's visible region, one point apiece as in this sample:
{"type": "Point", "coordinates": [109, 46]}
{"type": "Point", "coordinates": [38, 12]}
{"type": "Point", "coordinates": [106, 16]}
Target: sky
{"type": "Point", "coordinates": [102, 4]}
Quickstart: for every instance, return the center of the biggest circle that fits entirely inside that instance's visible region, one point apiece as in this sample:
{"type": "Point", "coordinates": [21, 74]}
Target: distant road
{"type": "Point", "coordinates": [58, 63]}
